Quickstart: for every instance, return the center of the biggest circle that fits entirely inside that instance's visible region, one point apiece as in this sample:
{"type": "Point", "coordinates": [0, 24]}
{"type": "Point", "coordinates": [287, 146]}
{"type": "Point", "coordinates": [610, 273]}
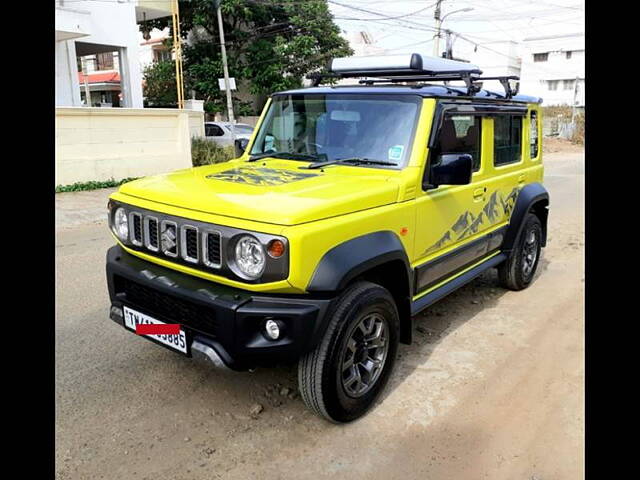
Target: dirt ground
{"type": "Point", "coordinates": [491, 388]}
{"type": "Point", "coordinates": [560, 145]}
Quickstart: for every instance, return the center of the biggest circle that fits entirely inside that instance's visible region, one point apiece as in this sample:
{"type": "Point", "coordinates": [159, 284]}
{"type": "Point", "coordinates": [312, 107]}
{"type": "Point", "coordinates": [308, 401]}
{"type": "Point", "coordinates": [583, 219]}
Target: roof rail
{"type": "Point", "coordinates": [410, 68]}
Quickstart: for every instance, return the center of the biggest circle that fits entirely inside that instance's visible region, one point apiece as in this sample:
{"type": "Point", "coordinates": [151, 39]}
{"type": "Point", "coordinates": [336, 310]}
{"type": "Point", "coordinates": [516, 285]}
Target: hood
{"type": "Point", "coordinates": [270, 190]}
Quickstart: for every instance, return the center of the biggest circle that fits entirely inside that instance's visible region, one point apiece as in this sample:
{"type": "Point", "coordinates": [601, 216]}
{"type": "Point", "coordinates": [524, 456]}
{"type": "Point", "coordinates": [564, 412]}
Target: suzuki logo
{"type": "Point", "coordinates": [169, 238]}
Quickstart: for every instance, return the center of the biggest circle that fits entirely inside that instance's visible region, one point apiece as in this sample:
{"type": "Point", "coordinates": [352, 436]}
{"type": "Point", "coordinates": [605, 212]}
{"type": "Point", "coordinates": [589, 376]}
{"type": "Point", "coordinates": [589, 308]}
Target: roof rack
{"type": "Point", "coordinates": [412, 67]}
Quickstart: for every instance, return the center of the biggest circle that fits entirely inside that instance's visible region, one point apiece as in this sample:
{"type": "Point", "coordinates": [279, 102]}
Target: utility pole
{"type": "Point", "coordinates": [436, 15]}
{"type": "Point", "coordinates": [448, 51]}
{"type": "Point", "coordinates": [227, 84]}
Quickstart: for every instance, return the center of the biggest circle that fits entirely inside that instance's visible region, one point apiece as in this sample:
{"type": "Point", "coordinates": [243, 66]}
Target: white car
{"type": "Point", "coordinates": [220, 132]}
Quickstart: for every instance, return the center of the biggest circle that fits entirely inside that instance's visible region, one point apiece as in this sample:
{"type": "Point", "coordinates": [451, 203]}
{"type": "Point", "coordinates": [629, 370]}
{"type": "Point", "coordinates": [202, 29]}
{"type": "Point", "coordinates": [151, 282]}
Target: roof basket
{"type": "Point", "coordinates": [412, 67]}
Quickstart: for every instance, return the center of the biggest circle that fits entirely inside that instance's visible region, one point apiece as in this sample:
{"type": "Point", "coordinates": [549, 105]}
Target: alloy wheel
{"type": "Point", "coordinates": [364, 355]}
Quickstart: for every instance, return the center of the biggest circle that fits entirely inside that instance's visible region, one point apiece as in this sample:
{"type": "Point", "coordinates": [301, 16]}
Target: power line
{"type": "Point", "coordinates": [375, 13]}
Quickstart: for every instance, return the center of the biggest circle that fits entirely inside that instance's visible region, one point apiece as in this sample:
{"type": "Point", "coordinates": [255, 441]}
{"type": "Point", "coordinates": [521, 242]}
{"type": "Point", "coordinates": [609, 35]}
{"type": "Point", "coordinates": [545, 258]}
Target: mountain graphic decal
{"type": "Point", "coordinates": [260, 176]}
{"type": "Point", "coordinates": [496, 209]}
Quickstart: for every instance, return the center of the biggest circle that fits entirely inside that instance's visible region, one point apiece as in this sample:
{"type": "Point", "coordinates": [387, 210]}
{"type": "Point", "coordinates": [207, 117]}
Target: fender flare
{"type": "Point", "coordinates": [349, 259]}
{"type": "Point", "coordinates": [533, 195]}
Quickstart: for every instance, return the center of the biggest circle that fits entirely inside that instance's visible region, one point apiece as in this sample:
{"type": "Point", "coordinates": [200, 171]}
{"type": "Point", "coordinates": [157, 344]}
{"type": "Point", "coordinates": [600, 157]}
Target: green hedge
{"type": "Point", "coordinates": [93, 185]}
{"type": "Point", "coordinates": [205, 152]}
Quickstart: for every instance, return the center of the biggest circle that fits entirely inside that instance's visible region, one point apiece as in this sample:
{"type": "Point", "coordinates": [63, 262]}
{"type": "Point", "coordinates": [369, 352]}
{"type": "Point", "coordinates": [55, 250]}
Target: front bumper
{"type": "Point", "coordinates": [227, 320]}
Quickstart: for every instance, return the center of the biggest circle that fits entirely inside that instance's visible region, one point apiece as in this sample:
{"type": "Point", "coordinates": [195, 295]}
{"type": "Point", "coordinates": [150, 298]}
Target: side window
{"type": "Point", "coordinates": [461, 134]}
{"type": "Point", "coordinates": [507, 140]}
{"type": "Point", "coordinates": [533, 134]}
{"type": "Point", "coordinates": [213, 131]}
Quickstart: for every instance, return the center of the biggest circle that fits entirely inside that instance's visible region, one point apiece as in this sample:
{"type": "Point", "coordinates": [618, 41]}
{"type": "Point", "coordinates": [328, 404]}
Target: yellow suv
{"type": "Point", "coordinates": [349, 210]}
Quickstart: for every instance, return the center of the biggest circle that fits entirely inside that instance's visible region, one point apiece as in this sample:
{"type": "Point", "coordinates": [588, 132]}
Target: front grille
{"type": "Point", "coordinates": [211, 246]}
{"type": "Point", "coordinates": [136, 220]}
{"type": "Point", "coordinates": [189, 240]}
{"type": "Point", "coordinates": [198, 245]}
{"type": "Point", "coordinates": [182, 241]}
{"type": "Point", "coordinates": [151, 233]}
{"type": "Point", "coordinates": [167, 307]}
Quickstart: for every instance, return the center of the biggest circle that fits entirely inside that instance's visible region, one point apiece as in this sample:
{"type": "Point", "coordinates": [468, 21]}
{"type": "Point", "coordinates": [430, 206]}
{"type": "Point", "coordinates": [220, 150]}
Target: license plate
{"type": "Point", "coordinates": [177, 342]}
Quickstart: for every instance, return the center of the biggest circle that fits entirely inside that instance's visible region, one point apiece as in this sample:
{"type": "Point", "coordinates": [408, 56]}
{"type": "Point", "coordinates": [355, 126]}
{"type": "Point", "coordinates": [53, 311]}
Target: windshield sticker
{"type": "Point", "coordinates": [395, 153]}
{"type": "Point", "coordinates": [260, 176]}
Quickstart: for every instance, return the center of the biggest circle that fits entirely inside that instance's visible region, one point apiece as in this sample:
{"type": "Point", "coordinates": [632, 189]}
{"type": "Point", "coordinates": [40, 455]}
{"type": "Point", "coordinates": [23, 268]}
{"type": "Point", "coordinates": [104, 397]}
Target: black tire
{"type": "Point", "coordinates": [517, 272]}
{"type": "Point", "coordinates": [320, 372]}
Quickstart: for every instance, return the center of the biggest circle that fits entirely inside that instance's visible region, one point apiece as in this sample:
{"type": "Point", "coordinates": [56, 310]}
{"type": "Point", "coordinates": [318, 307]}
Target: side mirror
{"type": "Point", "coordinates": [241, 146]}
{"type": "Point", "coordinates": [452, 169]}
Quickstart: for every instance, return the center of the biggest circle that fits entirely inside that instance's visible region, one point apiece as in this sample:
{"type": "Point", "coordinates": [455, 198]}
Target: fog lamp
{"type": "Point", "coordinates": [272, 329]}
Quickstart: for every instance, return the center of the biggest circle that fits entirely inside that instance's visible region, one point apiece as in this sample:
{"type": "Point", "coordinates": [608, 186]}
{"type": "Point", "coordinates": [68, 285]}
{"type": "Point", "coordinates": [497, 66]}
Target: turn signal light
{"type": "Point", "coordinates": [276, 248]}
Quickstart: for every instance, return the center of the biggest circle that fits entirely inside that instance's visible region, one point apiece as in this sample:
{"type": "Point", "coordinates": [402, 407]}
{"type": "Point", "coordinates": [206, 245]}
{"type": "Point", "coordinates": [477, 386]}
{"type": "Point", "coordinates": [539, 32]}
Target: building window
{"type": "Point", "coordinates": [507, 139]}
{"type": "Point", "coordinates": [161, 55]}
{"type": "Point", "coordinates": [461, 134]}
{"type": "Point", "coordinates": [568, 84]}
{"type": "Point", "coordinates": [541, 57]}
{"type": "Point", "coordinates": [553, 84]}
{"type": "Point", "coordinates": [568, 54]}
{"type": "Point", "coordinates": [533, 134]}
{"type": "Point", "coordinates": [104, 61]}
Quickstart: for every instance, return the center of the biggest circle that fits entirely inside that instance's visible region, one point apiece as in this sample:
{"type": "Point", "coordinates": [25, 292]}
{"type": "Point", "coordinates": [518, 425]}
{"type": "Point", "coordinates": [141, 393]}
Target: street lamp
{"type": "Point", "coordinates": [436, 45]}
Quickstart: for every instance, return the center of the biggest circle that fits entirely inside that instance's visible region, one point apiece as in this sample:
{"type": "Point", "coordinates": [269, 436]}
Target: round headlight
{"type": "Point", "coordinates": [121, 224]}
{"type": "Point", "coordinates": [250, 257]}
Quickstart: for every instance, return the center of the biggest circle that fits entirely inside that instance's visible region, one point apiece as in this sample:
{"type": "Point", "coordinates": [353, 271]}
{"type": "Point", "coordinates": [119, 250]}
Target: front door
{"type": "Point", "coordinates": [451, 216]}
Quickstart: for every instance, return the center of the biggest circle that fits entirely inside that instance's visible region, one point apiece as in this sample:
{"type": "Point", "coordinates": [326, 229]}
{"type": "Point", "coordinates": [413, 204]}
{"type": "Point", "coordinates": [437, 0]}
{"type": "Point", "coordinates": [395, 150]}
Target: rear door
{"type": "Point", "coordinates": [507, 170]}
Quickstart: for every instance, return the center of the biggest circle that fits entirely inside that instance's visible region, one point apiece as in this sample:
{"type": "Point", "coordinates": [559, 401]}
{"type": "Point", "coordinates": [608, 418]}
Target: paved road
{"type": "Point", "coordinates": [492, 387]}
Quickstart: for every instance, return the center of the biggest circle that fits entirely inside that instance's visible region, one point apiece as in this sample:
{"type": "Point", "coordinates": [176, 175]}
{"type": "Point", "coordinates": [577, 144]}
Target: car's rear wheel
{"type": "Point", "coordinates": [517, 272]}
{"type": "Point", "coordinates": [342, 377]}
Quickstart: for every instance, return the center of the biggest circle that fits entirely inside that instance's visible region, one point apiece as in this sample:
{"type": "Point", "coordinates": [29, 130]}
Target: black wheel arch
{"type": "Point", "coordinates": [531, 198]}
{"type": "Point", "coordinates": [378, 257]}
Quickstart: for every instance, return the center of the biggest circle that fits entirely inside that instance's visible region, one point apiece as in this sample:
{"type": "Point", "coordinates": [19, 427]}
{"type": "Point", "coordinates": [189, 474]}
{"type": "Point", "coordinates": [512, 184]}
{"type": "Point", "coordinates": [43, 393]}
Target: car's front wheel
{"type": "Point", "coordinates": [342, 377]}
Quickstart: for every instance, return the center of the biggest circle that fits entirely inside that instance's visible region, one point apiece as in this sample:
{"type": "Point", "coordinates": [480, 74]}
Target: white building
{"type": "Point", "coordinates": [103, 38]}
{"type": "Point", "coordinates": [553, 68]}
{"type": "Point", "coordinates": [495, 59]}
{"type": "Point", "coordinates": [153, 49]}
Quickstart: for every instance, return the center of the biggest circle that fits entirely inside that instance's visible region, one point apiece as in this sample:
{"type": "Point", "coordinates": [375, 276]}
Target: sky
{"type": "Point", "coordinates": [412, 29]}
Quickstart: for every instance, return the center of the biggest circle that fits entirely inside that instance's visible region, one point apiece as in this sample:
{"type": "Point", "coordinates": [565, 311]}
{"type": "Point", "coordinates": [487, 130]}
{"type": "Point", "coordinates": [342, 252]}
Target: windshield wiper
{"type": "Point", "coordinates": [355, 160]}
{"type": "Point", "coordinates": [283, 155]}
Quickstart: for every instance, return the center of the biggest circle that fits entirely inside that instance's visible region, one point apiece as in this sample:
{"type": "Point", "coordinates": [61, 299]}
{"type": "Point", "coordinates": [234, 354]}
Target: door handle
{"type": "Point", "coordinates": [478, 193]}
{"type": "Point", "coordinates": [521, 178]}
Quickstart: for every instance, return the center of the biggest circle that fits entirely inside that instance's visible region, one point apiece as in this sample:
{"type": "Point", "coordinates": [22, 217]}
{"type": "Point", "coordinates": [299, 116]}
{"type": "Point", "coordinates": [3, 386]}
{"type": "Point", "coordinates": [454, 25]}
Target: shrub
{"type": "Point", "coordinates": [91, 185]}
{"type": "Point", "coordinates": [205, 152]}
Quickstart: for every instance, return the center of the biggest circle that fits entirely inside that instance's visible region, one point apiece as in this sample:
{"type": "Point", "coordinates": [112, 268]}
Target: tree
{"type": "Point", "coordinates": [271, 45]}
{"type": "Point", "coordinates": [159, 84]}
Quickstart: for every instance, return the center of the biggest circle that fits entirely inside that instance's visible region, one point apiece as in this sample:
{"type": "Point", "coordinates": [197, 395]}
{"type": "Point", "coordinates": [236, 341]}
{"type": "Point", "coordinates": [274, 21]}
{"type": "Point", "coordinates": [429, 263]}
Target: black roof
{"type": "Point", "coordinates": [424, 90]}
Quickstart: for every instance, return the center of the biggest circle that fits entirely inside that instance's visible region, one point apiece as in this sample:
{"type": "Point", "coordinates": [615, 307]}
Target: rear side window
{"type": "Point", "coordinates": [507, 142]}
{"type": "Point", "coordinates": [213, 131]}
{"type": "Point", "coordinates": [461, 134]}
{"type": "Point", "coordinates": [533, 134]}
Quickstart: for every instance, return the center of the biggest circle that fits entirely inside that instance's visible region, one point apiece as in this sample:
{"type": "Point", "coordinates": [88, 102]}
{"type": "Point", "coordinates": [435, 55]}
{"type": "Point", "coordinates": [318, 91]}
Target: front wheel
{"type": "Point", "coordinates": [343, 375]}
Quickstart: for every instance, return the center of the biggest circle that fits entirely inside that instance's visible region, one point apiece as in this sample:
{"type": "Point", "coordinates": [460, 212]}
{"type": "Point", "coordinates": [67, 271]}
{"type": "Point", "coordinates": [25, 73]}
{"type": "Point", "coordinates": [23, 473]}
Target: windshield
{"type": "Point", "coordinates": [340, 126]}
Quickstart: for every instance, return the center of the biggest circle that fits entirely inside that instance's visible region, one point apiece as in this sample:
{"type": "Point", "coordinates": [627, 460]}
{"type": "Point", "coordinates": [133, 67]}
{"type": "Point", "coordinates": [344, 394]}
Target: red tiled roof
{"type": "Point", "coordinates": [154, 40]}
{"type": "Point", "coordinates": [100, 77]}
